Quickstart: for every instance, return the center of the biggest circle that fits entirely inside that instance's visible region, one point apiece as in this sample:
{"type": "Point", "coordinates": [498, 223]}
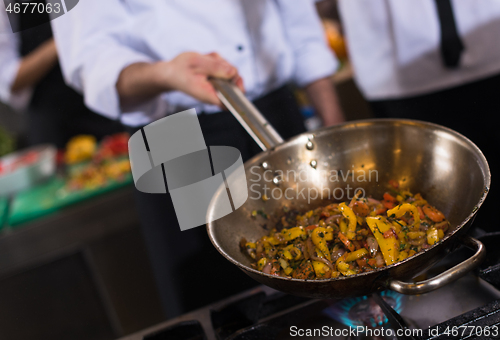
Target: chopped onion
{"type": "Point", "coordinates": [372, 245]}
{"type": "Point", "coordinates": [380, 260]}
{"type": "Point", "coordinates": [373, 201]}
{"type": "Point", "coordinates": [267, 268]}
{"type": "Point", "coordinates": [336, 253]}
{"type": "Point", "coordinates": [325, 261]}
{"type": "Point", "coordinates": [334, 218]}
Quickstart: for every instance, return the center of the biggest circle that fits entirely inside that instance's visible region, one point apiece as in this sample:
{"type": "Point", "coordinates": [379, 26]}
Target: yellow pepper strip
{"type": "Point", "coordinates": [318, 238]}
{"type": "Point", "coordinates": [349, 214]}
{"type": "Point", "coordinates": [359, 220]}
{"type": "Point", "coordinates": [419, 203]}
{"type": "Point", "coordinates": [397, 226]}
{"type": "Point", "coordinates": [288, 270]}
{"type": "Point", "coordinates": [389, 246]}
{"type": "Point", "coordinates": [356, 255]}
{"type": "Point", "coordinates": [283, 263]}
{"type": "Point", "coordinates": [415, 234]}
{"type": "Point", "coordinates": [402, 255]}
{"type": "Point", "coordinates": [343, 267]}
{"type": "Point", "coordinates": [343, 227]}
{"type": "Point", "coordinates": [250, 245]}
{"type": "Point", "coordinates": [287, 255]}
{"type": "Point", "coordinates": [432, 236]}
{"type": "Point", "coordinates": [402, 209]}
{"type": "Point", "coordinates": [261, 263]}
{"type": "Point", "coordinates": [321, 270]}
{"type": "Point", "coordinates": [440, 233]}
{"type": "Point", "coordinates": [271, 240]}
{"type": "Point", "coordinates": [294, 250]}
{"type": "Point", "coordinates": [411, 252]}
{"type": "Point", "coordinates": [292, 233]}
{"type": "Point", "coordinates": [329, 234]}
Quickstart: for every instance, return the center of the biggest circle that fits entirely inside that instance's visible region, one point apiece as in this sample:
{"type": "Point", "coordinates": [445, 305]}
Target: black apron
{"type": "Point", "coordinates": [56, 112]}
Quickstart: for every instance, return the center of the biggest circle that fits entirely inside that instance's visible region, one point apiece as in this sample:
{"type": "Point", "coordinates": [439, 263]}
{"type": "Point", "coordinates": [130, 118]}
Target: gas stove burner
{"type": "Point", "coordinates": [364, 311]}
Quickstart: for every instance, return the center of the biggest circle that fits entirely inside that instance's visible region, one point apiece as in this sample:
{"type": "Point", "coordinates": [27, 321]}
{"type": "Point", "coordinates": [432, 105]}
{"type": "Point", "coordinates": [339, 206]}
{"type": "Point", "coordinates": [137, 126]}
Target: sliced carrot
{"type": "Point", "coordinates": [365, 262]}
{"type": "Point", "coordinates": [361, 208]}
{"type": "Point", "coordinates": [421, 212]}
{"type": "Point", "coordinates": [311, 227]}
{"type": "Point", "coordinates": [347, 242]}
{"type": "Point", "coordinates": [388, 204]}
{"type": "Point", "coordinates": [389, 197]}
{"type": "Point", "coordinates": [434, 214]}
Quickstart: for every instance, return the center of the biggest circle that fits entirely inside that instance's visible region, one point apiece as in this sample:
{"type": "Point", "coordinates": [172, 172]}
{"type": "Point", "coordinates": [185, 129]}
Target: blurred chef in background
{"type": "Point", "coordinates": [139, 60]}
{"type": "Point", "coordinates": [432, 60]}
{"type": "Point", "coordinates": [31, 80]}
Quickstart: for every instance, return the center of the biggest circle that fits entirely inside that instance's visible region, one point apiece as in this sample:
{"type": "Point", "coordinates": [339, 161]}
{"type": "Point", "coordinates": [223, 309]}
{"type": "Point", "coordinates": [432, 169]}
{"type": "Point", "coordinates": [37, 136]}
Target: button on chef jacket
{"type": "Point", "coordinates": [271, 42]}
{"type": "Point", "coordinates": [394, 45]}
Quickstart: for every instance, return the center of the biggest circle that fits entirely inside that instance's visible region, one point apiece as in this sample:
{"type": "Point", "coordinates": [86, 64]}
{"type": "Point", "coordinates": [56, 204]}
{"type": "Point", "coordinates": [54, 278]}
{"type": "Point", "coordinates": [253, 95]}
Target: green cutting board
{"type": "Point", "coordinates": [52, 196]}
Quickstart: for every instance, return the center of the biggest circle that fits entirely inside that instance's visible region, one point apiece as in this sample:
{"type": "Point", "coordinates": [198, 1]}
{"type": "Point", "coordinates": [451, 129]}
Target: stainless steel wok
{"type": "Point", "coordinates": [441, 164]}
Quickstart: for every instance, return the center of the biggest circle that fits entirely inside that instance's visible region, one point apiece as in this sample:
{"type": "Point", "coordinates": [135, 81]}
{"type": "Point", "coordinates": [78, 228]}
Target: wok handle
{"type": "Point", "coordinates": [446, 277]}
{"type": "Point", "coordinates": [247, 114]}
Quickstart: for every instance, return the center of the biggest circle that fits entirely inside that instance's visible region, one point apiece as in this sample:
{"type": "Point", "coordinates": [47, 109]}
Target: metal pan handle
{"type": "Point", "coordinates": [247, 114]}
{"type": "Point", "coordinates": [446, 277]}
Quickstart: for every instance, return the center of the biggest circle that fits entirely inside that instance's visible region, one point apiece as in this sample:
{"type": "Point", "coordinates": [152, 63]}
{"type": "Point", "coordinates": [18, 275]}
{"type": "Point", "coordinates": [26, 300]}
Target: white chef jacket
{"type": "Point", "coordinates": [271, 42]}
{"type": "Point", "coordinates": [394, 45]}
{"type": "Point", "coordinates": [10, 61]}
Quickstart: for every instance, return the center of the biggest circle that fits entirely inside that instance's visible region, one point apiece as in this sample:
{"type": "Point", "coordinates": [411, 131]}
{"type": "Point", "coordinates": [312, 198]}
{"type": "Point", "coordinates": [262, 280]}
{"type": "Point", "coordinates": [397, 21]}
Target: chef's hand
{"type": "Point", "coordinates": [188, 73]}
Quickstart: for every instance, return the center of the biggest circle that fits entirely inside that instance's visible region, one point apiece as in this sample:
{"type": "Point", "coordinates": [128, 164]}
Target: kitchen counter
{"type": "Point", "coordinates": [95, 247]}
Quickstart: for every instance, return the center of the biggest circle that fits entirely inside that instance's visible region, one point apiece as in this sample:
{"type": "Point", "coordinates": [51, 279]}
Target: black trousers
{"type": "Point", "coordinates": [189, 272]}
{"type": "Point", "coordinates": [471, 109]}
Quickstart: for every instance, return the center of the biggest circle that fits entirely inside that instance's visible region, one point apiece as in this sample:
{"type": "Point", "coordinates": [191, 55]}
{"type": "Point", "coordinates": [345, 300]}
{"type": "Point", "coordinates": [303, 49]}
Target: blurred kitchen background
{"type": "Point", "coordinates": [73, 264]}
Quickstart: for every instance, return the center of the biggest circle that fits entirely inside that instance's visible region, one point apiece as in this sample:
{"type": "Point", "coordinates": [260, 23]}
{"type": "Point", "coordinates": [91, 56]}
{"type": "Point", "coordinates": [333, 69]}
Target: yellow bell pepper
{"type": "Point", "coordinates": [321, 269]}
{"type": "Point", "coordinates": [261, 263]}
{"type": "Point", "coordinates": [318, 238]}
{"type": "Point", "coordinates": [80, 148]}
{"type": "Point", "coordinates": [288, 270]}
{"type": "Point", "coordinates": [343, 267]}
{"type": "Point", "coordinates": [287, 255]}
{"type": "Point", "coordinates": [402, 255]}
{"type": "Point", "coordinates": [356, 255]}
{"type": "Point", "coordinates": [432, 236]}
{"type": "Point", "coordinates": [440, 233]}
{"type": "Point", "coordinates": [415, 234]}
{"type": "Point", "coordinates": [329, 234]}
{"type": "Point", "coordinates": [389, 246]}
{"type": "Point", "coordinates": [271, 240]}
{"type": "Point", "coordinates": [294, 250]}
{"type": "Point", "coordinates": [343, 227]}
{"type": "Point", "coordinates": [293, 233]}
{"type": "Point", "coordinates": [349, 214]}
{"type": "Point", "coordinates": [250, 245]}
{"type": "Point", "coordinates": [402, 209]}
